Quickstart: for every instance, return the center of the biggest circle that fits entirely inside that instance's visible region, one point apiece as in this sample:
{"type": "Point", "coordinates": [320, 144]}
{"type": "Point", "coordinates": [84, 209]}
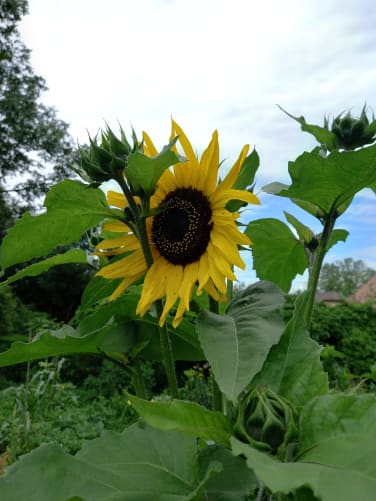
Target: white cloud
{"type": "Point", "coordinates": [211, 64]}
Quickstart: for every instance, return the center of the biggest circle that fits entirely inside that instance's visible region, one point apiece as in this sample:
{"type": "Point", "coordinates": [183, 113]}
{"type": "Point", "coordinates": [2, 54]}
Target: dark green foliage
{"type": "Point", "coordinates": [347, 333]}
{"type": "Point", "coordinates": [17, 322]}
{"type": "Point", "coordinates": [57, 291]}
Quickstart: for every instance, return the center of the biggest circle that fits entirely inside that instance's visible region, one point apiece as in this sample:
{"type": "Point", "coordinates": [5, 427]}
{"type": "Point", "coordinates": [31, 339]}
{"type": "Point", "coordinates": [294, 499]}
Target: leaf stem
{"type": "Point", "coordinates": [315, 268]}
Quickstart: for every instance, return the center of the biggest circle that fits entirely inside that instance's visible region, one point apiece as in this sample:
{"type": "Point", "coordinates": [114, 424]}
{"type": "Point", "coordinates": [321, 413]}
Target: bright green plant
{"type": "Point", "coordinates": [171, 239]}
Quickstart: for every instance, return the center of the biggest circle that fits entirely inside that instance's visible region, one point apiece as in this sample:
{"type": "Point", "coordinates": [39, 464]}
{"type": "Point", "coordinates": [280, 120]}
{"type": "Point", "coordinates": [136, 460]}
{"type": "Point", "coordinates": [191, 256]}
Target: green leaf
{"type": "Point", "coordinates": [236, 344]}
{"type": "Point", "coordinates": [63, 341]}
{"type": "Point", "coordinates": [293, 368]}
{"type": "Point", "coordinates": [275, 187]}
{"type": "Point", "coordinates": [143, 172]}
{"type": "Point", "coordinates": [338, 415]}
{"type": "Point", "coordinates": [187, 417]}
{"type": "Point", "coordinates": [332, 181]}
{"type": "Point", "coordinates": [338, 235]}
{"type": "Point", "coordinates": [234, 483]}
{"type": "Point", "coordinates": [245, 179]}
{"type": "Point", "coordinates": [351, 478]}
{"type": "Point", "coordinates": [322, 134]}
{"type": "Point", "coordinates": [72, 256]}
{"type": "Point", "coordinates": [72, 209]}
{"type": "Point", "coordinates": [97, 289]}
{"type": "Point", "coordinates": [137, 465]}
{"type": "Point", "coordinates": [305, 234]}
{"type": "Point", "coordinates": [277, 255]}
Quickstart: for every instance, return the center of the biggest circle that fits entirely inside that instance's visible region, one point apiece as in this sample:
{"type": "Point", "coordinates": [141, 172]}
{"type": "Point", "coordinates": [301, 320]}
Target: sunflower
{"type": "Point", "coordinates": [193, 238]}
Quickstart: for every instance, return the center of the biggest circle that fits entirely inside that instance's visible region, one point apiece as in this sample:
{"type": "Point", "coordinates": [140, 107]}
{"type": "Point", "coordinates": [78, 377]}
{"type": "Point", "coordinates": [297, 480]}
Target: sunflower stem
{"type": "Point", "coordinates": [138, 380]}
{"type": "Point", "coordinates": [217, 394]}
{"type": "Point", "coordinates": [315, 268]}
{"type": "Point", "coordinates": [168, 357]}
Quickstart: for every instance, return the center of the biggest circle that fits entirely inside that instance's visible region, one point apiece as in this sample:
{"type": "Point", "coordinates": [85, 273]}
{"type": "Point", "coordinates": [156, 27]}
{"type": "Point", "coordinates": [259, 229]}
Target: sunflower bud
{"type": "Point", "coordinates": [106, 159]}
{"type": "Point", "coordinates": [266, 420]}
{"type": "Point", "coordinates": [351, 132]}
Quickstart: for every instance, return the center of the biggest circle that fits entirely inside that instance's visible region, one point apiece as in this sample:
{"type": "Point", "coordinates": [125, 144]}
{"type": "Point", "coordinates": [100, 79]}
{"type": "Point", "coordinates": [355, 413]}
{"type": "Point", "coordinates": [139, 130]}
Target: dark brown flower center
{"type": "Point", "coordinates": [181, 231]}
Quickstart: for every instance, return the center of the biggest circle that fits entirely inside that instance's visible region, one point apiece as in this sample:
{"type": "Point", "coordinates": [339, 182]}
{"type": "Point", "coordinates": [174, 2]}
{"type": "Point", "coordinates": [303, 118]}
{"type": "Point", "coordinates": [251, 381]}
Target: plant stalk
{"type": "Point", "coordinates": [138, 380]}
{"type": "Point", "coordinates": [315, 269]}
{"type": "Point", "coordinates": [167, 354]}
{"type": "Point", "coordinates": [217, 394]}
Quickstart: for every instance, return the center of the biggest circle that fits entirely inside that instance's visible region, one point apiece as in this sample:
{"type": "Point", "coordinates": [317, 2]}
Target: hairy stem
{"type": "Point", "coordinates": [315, 268]}
{"type": "Point", "coordinates": [138, 380]}
{"type": "Point", "coordinates": [217, 394]}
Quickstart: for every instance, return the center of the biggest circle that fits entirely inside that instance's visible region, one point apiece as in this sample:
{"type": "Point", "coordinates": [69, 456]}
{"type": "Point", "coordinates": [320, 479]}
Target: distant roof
{"type": "Point", "coordinates": [365, 292]}
{"type": "Point", "coordinates": [327, 296]}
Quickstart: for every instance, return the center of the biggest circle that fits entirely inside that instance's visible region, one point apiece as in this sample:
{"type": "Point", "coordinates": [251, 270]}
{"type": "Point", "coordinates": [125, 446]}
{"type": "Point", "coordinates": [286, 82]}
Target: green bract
{"type": "Point", "coordinates": [267, 421]}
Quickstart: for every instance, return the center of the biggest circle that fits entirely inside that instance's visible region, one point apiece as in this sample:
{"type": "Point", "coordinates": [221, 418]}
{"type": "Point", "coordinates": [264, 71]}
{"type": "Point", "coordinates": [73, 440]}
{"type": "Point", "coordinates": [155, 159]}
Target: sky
{"type": "Point", "coordinates": [215, 64]}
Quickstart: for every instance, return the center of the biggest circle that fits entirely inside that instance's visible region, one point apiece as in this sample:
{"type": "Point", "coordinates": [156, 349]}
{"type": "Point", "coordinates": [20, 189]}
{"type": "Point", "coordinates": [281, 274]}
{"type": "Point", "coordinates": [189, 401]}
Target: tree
{"type": "Point", "coordinates": [344, 276]}
{"type": "Point", "coordinates": [34, 143]}
{"type": "Point", "coordinates": [36, 151]}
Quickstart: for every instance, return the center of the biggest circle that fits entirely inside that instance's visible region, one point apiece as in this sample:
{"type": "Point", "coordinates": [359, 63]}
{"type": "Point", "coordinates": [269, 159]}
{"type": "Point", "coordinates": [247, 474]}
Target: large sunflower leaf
{"type": "Point", "coordinates": [76, 256]}
{"type": "Point", "coordinates": [338, 415]}
{"type": "Point", "coordinates": [293, 368]}
{"type": "Point", "coordinates": [136, 465]}
{"type": "Point", "coordinates": [188, 417]}
{"type": "Point", "coordinates": [278, 256]}
{"type": "Point", "coordinates": [353, 478]}
{"type": "Point", "coordinates": [63, 341]}
{"type": "Point", "coordinates": [143, 172]}
{"type": "Point", "coordinates": [331, 182]}
{"type": "Point", "coordinates": [236, 344]}
{"type": "Point", "coordinates": [234, 483]}
{"type": "Point", "coordinates": [72, 209]}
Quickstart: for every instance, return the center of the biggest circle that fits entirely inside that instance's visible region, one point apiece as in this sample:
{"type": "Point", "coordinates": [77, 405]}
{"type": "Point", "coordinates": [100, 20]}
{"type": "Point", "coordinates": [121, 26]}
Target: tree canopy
{"type": "Point", "coordinates": [344, 276]}
{"type": "Point", "coordinates": [35, 146]}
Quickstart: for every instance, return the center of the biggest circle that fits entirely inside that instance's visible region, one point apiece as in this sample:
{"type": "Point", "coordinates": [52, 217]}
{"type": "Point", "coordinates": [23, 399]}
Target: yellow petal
{"type": "Point", "coordinates": [127, 267]}
{"type": "Point", "coordinates": [128, 242]}
{"type": "Point", "coordinates": [221, 262]}
{"type": "Point", "coordinates": [222, 196]}
{"type": "Point", "coordinates": [186, 145]}
{"type": "Point", "coordinates": [189, 279]}
{"type": "Point", "coordinates": [149, 148]}
{"type": "Point", "coordinates": [116, 227]}
{"type": "Point", "coordinates": [203, 273]}
{"type": "Point", "coordinates": [232, 176]}
{"type": "Point", "coordinates": [154, 285]}
{"type": "Point", "coordinates": [124, 284]}
{"type": "Point", "coordinates": [116, 199]}
{"type": "Point", "coordinates": [172, 290]}
{"type": "Point", "coordinates": [209, 163]}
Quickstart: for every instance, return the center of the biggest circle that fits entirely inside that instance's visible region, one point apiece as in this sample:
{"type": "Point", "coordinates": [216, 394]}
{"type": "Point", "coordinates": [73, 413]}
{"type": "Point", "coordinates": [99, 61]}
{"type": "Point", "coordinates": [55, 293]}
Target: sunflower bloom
{"type": "Point", "coordinates": [193, 239]}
